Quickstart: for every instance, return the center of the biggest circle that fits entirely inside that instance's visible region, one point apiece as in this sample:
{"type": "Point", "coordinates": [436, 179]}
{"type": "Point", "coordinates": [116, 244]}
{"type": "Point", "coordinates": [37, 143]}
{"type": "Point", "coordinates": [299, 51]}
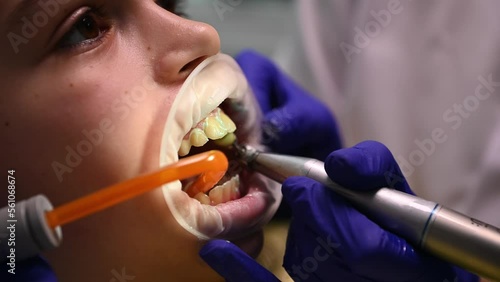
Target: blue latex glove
{"type": "Point", "coordinates": [294, 121]}
{"type": "Point", "coordinates": [36, 269]}
{"type": "Point", "coordinates": [329, 240]}
{"type": "Point", "coordinates": [233, 264]}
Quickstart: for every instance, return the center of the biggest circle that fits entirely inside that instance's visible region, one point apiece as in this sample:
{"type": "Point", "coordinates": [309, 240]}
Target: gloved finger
{"type": "Point", "coordinates": [311, 256]}
{"type": "Point", "coordinates": [233, 264]}
{"type": "Point", "coordinates": [35, 269]}
{"type": "Point", "coordinates": [327, 213]}
{"type": "Point", "coordinates": [465, 276]}
{"type": "Point", "coordinates": [262, 75]}
{"type": "Point", "coordinates": [362, 246]}
{"type": "Point", "coordinates": [294, 121]}
{"type": "Point", "coordinates": [368, 165]}
{"type": "Point", "coordinates": [311, 127]}
{"type": "Point", "coordinates": [270, 85]}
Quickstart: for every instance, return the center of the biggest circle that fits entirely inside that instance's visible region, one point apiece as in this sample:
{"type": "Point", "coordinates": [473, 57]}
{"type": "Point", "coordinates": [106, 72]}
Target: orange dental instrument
{"type": "Point", "coordinates": [39, 224]}
{"type": "Point", "coordinates": [212, 165]}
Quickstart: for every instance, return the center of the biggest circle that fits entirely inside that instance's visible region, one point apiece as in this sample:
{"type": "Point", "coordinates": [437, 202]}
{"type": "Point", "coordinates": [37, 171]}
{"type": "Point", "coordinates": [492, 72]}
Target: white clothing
{"type": "Point", "coordinates": [418, 73]}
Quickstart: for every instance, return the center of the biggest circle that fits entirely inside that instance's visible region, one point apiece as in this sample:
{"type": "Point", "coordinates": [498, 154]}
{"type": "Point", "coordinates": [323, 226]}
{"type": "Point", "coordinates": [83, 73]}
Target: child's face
{"type": "Point", "coordinates": [87, 86]}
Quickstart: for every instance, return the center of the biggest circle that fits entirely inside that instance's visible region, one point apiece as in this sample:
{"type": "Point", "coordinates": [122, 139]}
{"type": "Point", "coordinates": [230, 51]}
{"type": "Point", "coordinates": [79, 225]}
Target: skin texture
{"type": "Point", "coordinates": [51, 94]}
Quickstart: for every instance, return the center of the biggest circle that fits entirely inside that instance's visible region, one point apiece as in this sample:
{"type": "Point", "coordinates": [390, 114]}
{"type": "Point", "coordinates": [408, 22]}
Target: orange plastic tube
{"type": "Point", "coordinates": [203, 183]}
{"type": "Point", "coordinates": [212, 166]}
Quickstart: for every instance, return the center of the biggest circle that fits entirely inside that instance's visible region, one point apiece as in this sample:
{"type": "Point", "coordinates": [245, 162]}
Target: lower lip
{"type": "Point", "coordinates": [246, 214]}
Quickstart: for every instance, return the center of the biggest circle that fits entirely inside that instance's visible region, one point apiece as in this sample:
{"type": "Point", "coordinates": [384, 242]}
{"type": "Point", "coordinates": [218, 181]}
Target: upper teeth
{"type": "Point", "coordinates": [215, 126]}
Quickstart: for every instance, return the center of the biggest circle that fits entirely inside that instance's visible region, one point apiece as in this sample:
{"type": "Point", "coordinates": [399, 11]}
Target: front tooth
{"type": "Point", "coordinates": [235, 187]}
{"type": "Point", "coordinates": [216, 195]}
{"type": "Point", "coordinates": [202, 198]}
{"type": "Point", "coordinates": [185, 148]}
{"type": "Point", "coordinates": [227, 122]}
{"type": "Point", "coordinates": [198, 138]}
{"type": "Point", "coordinates": [226, 193]}
{"type": "Point", "coordinates": [214, 129]}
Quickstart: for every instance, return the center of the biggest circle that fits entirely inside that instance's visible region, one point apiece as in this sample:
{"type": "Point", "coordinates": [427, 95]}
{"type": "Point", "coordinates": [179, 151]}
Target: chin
{"type": "Point", "coordinates": [215, 103]}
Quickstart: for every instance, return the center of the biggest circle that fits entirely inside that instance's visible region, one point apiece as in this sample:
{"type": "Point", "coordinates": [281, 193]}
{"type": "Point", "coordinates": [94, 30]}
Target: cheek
{"type": "Point", "coordinates": [122, 126]}
{"type": "Point", "coordinates": [87, 133]}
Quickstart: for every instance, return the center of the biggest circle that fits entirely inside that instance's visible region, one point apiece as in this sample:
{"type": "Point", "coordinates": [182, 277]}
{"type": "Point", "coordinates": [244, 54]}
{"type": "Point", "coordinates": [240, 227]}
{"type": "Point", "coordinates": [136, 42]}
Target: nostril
{"type": "Point", "coordinates": [189, 67]}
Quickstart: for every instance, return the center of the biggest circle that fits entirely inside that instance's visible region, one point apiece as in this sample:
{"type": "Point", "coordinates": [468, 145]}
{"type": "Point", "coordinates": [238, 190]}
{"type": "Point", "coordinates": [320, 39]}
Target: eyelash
{"type": "Point", "coordinates": [96, 13]}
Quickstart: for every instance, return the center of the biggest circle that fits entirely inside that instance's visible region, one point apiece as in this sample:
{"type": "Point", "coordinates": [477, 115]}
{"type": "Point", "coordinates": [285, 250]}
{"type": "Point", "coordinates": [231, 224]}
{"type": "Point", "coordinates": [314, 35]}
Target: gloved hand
{"type": "Point", "coordinates": [329, 240]}
{"type": "Point", "coordinates": [233, 264]}
{"type": "Point", "coordinates": [36, 269]}
{"type": "Point", "coordinates": [294, 121]}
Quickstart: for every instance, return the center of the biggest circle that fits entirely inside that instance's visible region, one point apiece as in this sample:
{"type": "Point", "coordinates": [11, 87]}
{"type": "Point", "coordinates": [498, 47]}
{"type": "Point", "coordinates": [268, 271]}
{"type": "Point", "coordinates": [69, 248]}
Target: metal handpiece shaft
{"type": "Point", "coordinates": [452, 236]}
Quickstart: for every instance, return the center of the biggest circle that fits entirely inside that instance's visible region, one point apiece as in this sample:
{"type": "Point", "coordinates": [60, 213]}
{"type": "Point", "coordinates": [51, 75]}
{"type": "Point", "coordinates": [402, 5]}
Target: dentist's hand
{"type": "Point", "coordinates": [329, 240]}
{"type": "Point", "coordinates": [233, 264]}
{"type": "Point", "coordinates": [35, 269]}
{"type": "Point", "coordinates": [294, 121]}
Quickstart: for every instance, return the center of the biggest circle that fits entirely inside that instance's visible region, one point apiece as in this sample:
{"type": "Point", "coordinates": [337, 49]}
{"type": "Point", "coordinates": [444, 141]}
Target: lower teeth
{"type": "Point", "coordinates": [222, 193]}
{"type": "Point", "coordinates": [203, 198]}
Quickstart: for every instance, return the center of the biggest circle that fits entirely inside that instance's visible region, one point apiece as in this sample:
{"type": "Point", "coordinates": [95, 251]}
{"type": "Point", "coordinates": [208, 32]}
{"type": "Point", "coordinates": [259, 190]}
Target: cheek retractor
{"type": "Point", "coordinates": [211, 166]}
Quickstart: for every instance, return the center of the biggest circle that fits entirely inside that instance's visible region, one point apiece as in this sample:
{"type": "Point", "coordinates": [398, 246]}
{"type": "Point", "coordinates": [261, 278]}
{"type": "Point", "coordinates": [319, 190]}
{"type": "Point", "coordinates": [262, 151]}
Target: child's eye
{"type": "Point", "coordinates": [86, 29]}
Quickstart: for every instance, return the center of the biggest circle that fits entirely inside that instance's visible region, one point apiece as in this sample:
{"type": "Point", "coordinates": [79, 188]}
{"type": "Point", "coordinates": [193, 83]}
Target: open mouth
{"type": "Point", "coordinates": [215, 132]}
{"type": "Point", "coordinates": [213, 108]}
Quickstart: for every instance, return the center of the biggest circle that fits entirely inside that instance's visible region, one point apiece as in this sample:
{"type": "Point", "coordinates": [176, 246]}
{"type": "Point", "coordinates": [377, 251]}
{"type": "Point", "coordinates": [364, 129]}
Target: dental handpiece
{"type": "Point", "coordinates": [452, 236]}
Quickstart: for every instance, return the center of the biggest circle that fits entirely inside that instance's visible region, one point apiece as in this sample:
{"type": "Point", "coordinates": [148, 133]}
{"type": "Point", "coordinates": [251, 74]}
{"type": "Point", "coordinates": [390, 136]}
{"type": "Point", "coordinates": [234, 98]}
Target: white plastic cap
{"type": "Point", "coordinates": [27, 233]}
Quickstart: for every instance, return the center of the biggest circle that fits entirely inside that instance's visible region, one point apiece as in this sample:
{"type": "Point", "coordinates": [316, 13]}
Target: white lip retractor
{"type": "Point", "coordinates": [216, 79]}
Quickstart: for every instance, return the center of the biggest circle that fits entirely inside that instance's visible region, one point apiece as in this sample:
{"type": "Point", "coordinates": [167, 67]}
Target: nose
{"type": "Point", "coordinates": [180, 45]}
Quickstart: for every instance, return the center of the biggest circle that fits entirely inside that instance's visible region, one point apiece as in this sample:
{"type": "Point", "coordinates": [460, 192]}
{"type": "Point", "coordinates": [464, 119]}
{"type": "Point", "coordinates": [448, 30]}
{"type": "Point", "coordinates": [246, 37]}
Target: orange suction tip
{"type": "Point", "coordinates": [212, 166]}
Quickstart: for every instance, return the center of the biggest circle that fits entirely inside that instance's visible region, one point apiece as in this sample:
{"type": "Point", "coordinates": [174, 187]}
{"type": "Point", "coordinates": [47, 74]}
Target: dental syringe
{"type": "Point", "coordinates": [454, 237]}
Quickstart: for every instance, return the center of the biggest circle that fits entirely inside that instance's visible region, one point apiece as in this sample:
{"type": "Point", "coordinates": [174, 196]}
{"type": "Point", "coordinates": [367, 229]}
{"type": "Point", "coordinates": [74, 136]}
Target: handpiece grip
{"type": "Point", "coordinates": [464, 241]}
{"type": "Point", "coordinates": [454, 237]}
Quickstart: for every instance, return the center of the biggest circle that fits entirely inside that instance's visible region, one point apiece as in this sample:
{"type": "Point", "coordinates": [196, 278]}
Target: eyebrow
{"type": "Point", "coordinates": [26, 8]}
